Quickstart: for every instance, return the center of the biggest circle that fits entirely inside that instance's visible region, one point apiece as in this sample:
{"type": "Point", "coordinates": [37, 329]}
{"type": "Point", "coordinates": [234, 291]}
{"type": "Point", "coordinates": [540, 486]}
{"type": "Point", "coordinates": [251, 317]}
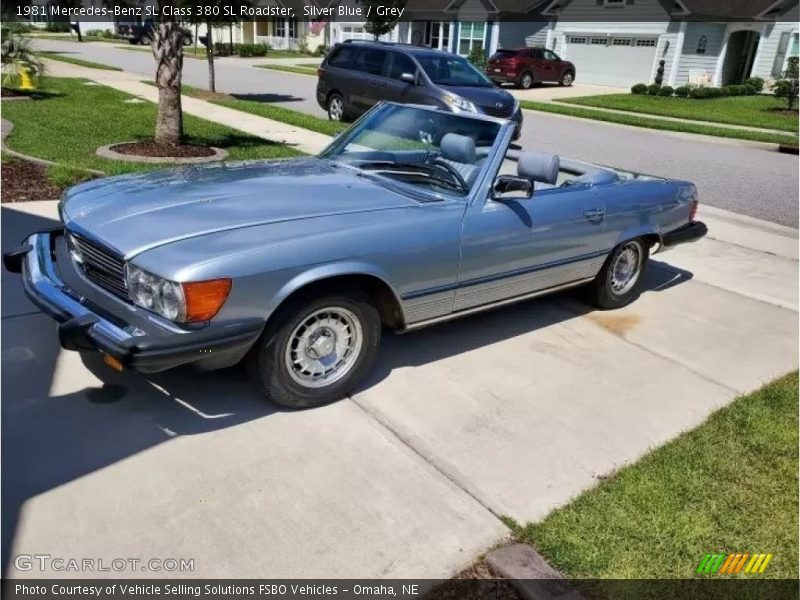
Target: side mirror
{"type": "Point", "coordinates": [408, 78]}
{"type": "Point", "coordinates": [512, 187]}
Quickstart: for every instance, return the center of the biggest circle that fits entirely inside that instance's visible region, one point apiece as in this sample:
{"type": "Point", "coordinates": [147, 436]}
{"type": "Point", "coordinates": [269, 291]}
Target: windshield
{"type": "Point", "coordinates": [434, 151]}
{"type": "Point", "coordinates": [446, 69]}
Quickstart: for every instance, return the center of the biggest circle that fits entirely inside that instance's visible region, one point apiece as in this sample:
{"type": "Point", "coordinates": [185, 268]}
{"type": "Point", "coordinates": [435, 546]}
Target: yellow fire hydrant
{"type": "Point", "coordinates": [26, 77]}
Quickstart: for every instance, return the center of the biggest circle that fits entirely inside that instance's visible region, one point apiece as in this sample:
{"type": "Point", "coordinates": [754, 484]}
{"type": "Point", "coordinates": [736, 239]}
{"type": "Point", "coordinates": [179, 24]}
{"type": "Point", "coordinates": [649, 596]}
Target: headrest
{"type": "Point", "coordinates": [538, 166]}
{"type": "Point", "coordinates": [458, 148]}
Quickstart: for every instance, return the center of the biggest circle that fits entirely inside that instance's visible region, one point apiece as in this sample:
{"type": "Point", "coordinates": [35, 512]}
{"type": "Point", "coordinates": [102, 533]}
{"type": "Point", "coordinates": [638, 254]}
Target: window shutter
{"type": "Point", "coordinates": [783, 44]}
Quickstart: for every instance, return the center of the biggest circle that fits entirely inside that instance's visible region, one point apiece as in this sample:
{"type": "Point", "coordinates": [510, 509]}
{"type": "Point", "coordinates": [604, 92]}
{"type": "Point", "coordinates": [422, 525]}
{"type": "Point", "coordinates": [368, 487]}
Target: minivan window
{"type": "Point", "coordinates": [401, 64]}
{"type": "Point", "coordinates": [370, 60]}
{"type": "Point", "coordinates": [452, 70]}
{"type": "Point", "coordinates": [341, 57]}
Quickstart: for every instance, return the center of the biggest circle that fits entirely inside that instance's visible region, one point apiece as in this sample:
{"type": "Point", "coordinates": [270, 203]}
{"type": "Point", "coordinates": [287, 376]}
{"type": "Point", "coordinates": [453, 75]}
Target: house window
{"type": "Point", "coordinates": [599, 41]}
{"type": "Point", "coordinates": [645, 43]}
{"type": "Point", "coordinates": [284, 25]}
{"type": "Point", "coordinates": [621, 42]}
{"type": "Point", "coordinates": [577, 40]}
{"type": "Point", "coordinates": [614, 3]}
{"type": "Point", "coordinates": [470, 36]}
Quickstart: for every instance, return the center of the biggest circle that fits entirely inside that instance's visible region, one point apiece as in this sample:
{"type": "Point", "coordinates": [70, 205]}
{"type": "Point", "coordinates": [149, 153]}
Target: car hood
{"type": "Point", "coordinates": [483, 96]}
{"type": "Point", "coordinates": [134, 213]}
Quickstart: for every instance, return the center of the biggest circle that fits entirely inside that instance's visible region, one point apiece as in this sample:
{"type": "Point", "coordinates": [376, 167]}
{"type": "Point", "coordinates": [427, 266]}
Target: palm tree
{"type": "Point", "coordinates": [168, 51]}
{"type": "Point", "coordinates": [16, 51]}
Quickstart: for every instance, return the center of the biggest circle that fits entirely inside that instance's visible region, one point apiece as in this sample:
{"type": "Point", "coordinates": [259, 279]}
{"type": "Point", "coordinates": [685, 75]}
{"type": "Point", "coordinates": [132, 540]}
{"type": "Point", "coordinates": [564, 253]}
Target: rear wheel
{"type": "Point", "coordinates": [336, 107]}
{"type": "Point", "coordinates": [567, 79]}
{"type": "Point", "coordinates": [526, 81]}
{"type": "Point", "coordinates": [620, 280]}
{"type": "Point", "coordinates": [318, 351]}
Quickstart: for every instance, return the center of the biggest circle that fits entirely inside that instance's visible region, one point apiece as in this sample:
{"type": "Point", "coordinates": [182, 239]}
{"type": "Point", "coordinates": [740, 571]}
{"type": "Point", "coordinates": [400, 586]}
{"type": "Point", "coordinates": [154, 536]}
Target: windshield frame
{"type": "Point", "coordinates": [501, 142]}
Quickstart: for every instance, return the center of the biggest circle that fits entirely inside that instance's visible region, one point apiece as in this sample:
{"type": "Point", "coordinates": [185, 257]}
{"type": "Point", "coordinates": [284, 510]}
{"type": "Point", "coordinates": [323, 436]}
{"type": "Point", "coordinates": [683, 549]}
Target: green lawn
{"type": "Point", "coordinates": [729, 485]}
{"type": "Point", "coordinates": [270, 111]}
{"type": "Point", "coordinates": [751, 111]}
{"type": "Point", "coordinates": [635, 120]}
{"type": "Point", "coordinates": [300, 70]}
{"type": "Point", "coordinates": [77, 61]}
{"type": "Point", "coordinates": [66, 128]}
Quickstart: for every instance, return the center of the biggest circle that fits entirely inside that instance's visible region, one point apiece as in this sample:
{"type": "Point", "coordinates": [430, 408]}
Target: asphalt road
{"type": "Point", "coordinates": [745, 178]}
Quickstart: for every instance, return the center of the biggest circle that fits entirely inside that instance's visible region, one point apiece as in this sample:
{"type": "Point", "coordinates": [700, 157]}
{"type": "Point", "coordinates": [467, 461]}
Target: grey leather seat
{"type": "Point", "coordinates": [459, 151]}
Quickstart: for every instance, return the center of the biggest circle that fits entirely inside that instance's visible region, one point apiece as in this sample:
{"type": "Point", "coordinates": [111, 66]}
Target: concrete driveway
{"type": "Point", "coordinates": [547, 92]}
{"type": "Point", "coordinates": [512, 413]}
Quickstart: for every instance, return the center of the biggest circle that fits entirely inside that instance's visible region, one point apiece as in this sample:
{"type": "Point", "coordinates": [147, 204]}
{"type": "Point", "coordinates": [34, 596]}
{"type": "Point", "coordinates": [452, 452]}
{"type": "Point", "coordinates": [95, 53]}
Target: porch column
{"type": "Point", "coordinates": [676, 55]}
{"type": "Point", "coordinates": [286, 32]}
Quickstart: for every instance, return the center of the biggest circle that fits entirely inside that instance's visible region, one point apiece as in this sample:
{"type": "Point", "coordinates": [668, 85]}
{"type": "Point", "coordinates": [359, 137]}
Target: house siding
{"type": "Point", "coordinates": [768, 47]}
{"type": "Point", "coordinates": [690, 60]}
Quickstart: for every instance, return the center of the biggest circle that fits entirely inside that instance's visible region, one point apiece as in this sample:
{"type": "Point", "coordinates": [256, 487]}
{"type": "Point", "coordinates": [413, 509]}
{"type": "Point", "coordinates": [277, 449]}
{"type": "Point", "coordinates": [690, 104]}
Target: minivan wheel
{"type": "Point", "coordinates": [526, 81]}
{"type": "Point", "coordinates": [336, 107]}
{"type": "Point", "coordinates": [318, 351]}
{"type": "Point", "coordinates": [567, 79]}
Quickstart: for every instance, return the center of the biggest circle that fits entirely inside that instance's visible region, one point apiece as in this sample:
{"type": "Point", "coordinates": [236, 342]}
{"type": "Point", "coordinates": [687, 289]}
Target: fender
{"type": "Point", "coordinates": [641, 230]}
{"type": "Point", "coordinates": [319, 273]}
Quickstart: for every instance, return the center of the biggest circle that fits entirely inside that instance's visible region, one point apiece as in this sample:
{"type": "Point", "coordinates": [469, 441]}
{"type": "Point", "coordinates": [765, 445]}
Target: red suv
{"type": "Point", "coordinates": [527, 66]}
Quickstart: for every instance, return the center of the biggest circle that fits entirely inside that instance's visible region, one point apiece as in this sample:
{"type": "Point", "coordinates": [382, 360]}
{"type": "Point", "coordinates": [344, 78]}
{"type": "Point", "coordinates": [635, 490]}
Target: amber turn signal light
{"type": "Point", "coordinates": [205, 298]}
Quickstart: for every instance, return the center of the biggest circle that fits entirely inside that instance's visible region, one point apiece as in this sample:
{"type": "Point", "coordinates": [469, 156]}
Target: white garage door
{"type": "Point", "coordinates": [612, 60]}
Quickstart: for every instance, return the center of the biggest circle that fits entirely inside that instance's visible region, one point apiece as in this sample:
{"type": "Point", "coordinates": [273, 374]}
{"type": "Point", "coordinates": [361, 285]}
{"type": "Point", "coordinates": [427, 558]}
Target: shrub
{"type": "Point", "coordinates": [785, 88]}
{"type": "Point", "coordinates": [101, 33]}
{"type": "Point", "coordinates": [666, 91]}
{"type": "Point", "coordinates": [10, 27]}
{"type": "Point", "coordinates": [477, 57]}
{"type": "Point", "coordinates": [322, 50]}
{"type": "Point", "coordinates": [682, 91]}
{"type": "Point", "coordinates": [660, 72]}
{"type": "Point", "coordinates": [639, 88]}
{"type": "Point", "coordinates": [250, 50]}
{"type": "Point", "coordinates": [58, 27]}
{"type": "Point", "coordinates": [757, 83]}
{"type": "Point", "coordinates": [654, 89]}
{"type": "Point", "coordinates": [736, 90]}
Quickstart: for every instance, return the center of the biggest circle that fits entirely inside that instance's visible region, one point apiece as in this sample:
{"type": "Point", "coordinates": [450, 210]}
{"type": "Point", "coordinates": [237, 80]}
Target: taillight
{"type": "Point", "coordinates": [693, 210]}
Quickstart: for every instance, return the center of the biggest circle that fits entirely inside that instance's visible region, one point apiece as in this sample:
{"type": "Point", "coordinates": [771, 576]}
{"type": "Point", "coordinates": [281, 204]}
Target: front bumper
{"type": "Point", "coordinates": [83, 325]}
{"type": "Point", "coordinates": [688, 233]}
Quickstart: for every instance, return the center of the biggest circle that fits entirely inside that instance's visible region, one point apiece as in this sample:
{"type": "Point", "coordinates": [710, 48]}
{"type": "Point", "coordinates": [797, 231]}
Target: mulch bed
{"type": "Point", "coordinates": [154, 149]}
{"type": "Point", "coordinates": [24, 180]}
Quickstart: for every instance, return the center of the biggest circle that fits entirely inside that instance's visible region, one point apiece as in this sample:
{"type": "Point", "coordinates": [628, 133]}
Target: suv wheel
{"type": "Point", "coordinates": [566, 79]}
{"type": "Point", "coordinates": [319, 350]}
{"type": "Point", "coordinates": [526, 81]}
{"type": "Point", "coordinates": [336, 107]}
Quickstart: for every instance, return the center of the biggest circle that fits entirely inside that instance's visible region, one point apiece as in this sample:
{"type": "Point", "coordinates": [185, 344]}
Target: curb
{"type": "Point", "coordinates": [530, 573]}
{"type": "Point", "coordinates": [8, 127]}
{"type": "Point", "coordinates": [109, 153]}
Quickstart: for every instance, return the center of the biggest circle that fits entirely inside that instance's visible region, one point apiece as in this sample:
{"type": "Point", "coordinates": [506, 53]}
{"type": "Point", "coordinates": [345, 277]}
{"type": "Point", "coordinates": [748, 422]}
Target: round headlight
{"type": "Point", "coordinates": [155, 293]}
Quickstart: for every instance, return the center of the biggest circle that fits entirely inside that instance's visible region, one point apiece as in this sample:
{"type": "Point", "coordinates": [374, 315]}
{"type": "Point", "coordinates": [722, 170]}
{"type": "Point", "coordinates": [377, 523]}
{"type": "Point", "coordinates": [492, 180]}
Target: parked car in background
{"type": "Point", "coordinates": [412, 216]}
{"type": "Point", "coordinates": [142, 32]}
{"type": "Point", "coordinates": [526, 67]}
{"type": "Point", "coordinates": [355, 76]}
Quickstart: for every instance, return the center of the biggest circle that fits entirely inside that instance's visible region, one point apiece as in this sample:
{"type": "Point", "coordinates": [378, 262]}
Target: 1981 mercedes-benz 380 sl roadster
{"type": "Point", "coordinates": [410, 217]}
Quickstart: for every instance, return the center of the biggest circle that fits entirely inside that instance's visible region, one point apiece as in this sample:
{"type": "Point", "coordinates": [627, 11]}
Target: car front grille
{"type": "Point", "coordinates": [100, 265]}
{"type": "Point", "coordinates": [504, 111]}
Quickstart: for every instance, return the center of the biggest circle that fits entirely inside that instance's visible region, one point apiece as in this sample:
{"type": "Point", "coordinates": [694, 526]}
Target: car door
{"type": "Point", "coordinates": [398, 90]}
{"type": "Point", "coordinates": [515, 247]}
{"type": "Point", "coordinates": [369, 82]}
{"type": "Point", "coordinates": [550, 66]}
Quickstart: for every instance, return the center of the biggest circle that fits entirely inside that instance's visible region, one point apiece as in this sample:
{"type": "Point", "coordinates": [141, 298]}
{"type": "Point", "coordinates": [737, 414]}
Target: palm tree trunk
{"type": "Point", "coordinates": [168, 52]}
{"type": "Point", "coordinates": [212, 85]}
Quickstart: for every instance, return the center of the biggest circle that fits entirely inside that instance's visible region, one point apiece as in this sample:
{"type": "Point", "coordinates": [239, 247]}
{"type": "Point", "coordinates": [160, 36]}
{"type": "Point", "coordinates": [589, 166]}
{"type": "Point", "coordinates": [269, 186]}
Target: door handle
{"type": "Point", "coordinates": [594, 214]}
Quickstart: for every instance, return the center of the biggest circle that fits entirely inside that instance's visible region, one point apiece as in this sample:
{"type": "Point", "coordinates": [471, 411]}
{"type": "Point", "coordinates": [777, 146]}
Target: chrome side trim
{"type": "Point", "coordinates": [483, 307]}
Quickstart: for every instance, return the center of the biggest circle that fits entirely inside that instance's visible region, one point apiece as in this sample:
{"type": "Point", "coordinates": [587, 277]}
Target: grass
{"type": "Point", "coordinates": [77, 61]}
{"type": "Point", "coordinates": [65, 129]}
{"type": "Point", "coordinates": [300, 70]}
{"type": "Point", "coordinates": [751, 111]}
{"type": "Point", "coordinates": [730, 485]}
{"type": "Point", "coordinates": [269, 111]}
{"type": "Point", "coordinates": [72, 38]}
{"type": "Point", "coordinates": [660, 124]}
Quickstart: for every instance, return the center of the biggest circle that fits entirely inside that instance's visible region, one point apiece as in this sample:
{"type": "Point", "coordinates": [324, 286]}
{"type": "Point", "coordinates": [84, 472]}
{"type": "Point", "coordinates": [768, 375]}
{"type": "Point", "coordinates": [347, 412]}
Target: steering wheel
{"type": "Point", "coordinates": [440, 162]}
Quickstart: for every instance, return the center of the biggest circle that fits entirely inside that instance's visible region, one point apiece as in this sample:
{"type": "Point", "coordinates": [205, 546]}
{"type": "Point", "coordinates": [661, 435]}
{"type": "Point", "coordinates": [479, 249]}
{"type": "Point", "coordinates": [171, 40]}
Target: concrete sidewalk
{"type": "Point", "coordinates": [130, 83]}
{"type": "Point", "coordinates": [512, 412]}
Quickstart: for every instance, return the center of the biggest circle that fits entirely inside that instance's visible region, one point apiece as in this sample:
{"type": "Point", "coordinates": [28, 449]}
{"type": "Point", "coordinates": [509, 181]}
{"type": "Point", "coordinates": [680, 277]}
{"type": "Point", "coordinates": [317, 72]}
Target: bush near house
{"type": "Point", "coordinates": [242, 50]}
{"type": "Point", "coordinates": [477, 56]}
{"type": "Point", "coordinates": [666, 91]}
{"type": "Point", "coordinates": [682, 91]}
{"type": "Point", "coordinates": [751, 87]}
{"type": "Point", "coordinates": [104, 34]}
{"type": "Point", "coordinates": [786, 88]}
{"type": "Point", "coordinates": [639, 88]}
{"type": "Point", "coordinates": [654, 89]}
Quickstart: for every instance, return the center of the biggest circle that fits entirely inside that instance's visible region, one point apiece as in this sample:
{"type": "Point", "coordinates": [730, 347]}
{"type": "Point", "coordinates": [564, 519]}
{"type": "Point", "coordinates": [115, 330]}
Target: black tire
{"type": "Point", "coordinates": [526, 80]}
{"type": "Point", "coordinates": [133, 41]}
{"type": "Point", "coordinates": [336, 107]}
{"type": "Point", "coordinates": [604, 291]}
{"type": "Point", "coordinates": [567, 79]}
{"type": "Point", "coordinates": [268, 360]}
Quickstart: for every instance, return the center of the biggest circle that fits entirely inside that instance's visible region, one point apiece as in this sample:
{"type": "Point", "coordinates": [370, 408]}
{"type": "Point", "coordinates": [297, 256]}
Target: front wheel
{"type": "Point", "coordinates": [336, 107]}
{"type": "Point", "coordinates": [318, 350]}
{"type": "Point", "coordinates": [620, 280]}
{"type": "Point", "coordinates": [566, 79]}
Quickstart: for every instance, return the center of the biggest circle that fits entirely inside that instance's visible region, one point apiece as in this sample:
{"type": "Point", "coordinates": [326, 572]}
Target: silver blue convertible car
{"type": "Point", "coordinates": [410, 217]}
